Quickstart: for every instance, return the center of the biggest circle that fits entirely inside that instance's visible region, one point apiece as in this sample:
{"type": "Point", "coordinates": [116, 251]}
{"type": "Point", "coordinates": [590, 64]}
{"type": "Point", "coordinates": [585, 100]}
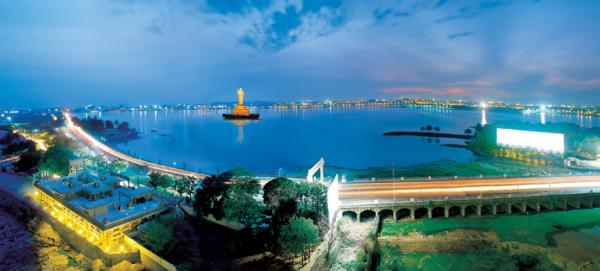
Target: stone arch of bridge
{"type": "Point", "coordinates": [470, 210]}
{"type": "Point", "coordinates": [454, 211]}
{"type": "Point", "coordinates": [438, 211]}
{"type": "Point", "coordinates": [487, 209]}
{"type": "Point", "coordinates": [403, 213]}
{"type": "Point", "coordinates": [350, 214]}
{"type": "Point", "coordinates": [366, 215]}
{"type": "Point", "coordinates": [421, 212]}
{"type": "Point", "coordinates": [386, 213]}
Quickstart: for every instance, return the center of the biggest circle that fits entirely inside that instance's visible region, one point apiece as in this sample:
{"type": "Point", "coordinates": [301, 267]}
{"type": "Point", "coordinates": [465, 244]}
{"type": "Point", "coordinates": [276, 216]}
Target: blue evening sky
{"type": "Point", "coordinates": [74, 52]}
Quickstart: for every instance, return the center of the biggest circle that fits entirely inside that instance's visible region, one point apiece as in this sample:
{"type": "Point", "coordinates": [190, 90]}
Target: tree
{"type": "Point", "coordinates": [278, 190]}
{"type": "Point", "coordinates": [27, 161]}
{"type": "Point", "coordinates": [484, 141]}
{"type": "Point", "coordinates": [312, 200]}
{"type": "Point", "coordinates": [390, 260]}
{"type": "Point", "coordinates": [279, 195]}
{"type": "Point", "coordinates": [422, 128]}
{"type": "Point", "coordinates": [468, 131]}
{"type": "Point", "coordinates": [109, 124]}
{"type": "Point", "coordinates": [189, 185]}
{"type": "Point", "coordinates": [57, 157]}
{"type": "Point", "coordinates": [428, 128]}
{"type": "Point", "coordinates": [10, 138]}
{"type": "Point", "coordinates": [17, 147]}
{"type": "Point", "coordinates": [184, 185]}
{"type": "Point", "coordinates": [158, 234]}
{"type": "Point", "coordinates": [179, 186]}
{"type": "Point", "coordinates": [117, 166]}
{"type": "Point", "coordinates": [241, 204]}
{"type": "Point", "coordinates": [437, 129]}
{"type": "Point", "coordinates": [154, 179]}
{"type": "Point", "coordinates": [140, 172]}
{"type": "Point", "coordinates": [298, 236]}
{"type": "Point", "coordinates": [165, 181]}
{"type": "Point", "coordinates": [123, 126]}
{"type": "Point", "coordinates": [209, 198]}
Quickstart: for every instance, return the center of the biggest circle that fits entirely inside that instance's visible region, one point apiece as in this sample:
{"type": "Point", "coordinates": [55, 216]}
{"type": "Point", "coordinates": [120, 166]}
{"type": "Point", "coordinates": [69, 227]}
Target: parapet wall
{"type": "Point", "coordinates": [91, 251]}
{"type": "Point", "coordinates": [148, 258]}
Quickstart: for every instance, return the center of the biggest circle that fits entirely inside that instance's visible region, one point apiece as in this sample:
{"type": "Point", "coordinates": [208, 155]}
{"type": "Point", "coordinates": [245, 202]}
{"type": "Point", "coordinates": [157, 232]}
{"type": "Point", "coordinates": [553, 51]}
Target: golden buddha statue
{"type": "Point", "coordinates": [240, 111]}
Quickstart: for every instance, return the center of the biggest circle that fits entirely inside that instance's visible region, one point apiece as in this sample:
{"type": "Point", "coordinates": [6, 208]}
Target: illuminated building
{"type": "Point", "coordinates": [75, 167]}
{"type": "Point", "coordinates": [537, 148]}
{"type": "Point", "coordinates": [97, 208]}
{"type": "Point", "coordinates": [540, 141]}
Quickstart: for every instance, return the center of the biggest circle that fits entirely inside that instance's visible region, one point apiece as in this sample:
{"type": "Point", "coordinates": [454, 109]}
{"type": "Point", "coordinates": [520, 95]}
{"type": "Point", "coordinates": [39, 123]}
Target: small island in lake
{"type": "Point", "coordinates": [114, 132]}
{"type": "Point", "coordinates": [240, 111]}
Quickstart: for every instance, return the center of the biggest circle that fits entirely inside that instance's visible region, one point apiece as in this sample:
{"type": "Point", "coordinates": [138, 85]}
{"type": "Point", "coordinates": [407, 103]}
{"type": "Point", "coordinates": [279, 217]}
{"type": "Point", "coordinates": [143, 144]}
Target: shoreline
{"type": "Point", "coordinates": [429, 134]}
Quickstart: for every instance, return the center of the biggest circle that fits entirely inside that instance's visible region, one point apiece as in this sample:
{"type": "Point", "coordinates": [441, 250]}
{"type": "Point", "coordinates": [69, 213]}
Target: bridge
{"type": "Point", "coordinates": [467, 197]}
{"type": "Point", "coordinates": [93, 143]}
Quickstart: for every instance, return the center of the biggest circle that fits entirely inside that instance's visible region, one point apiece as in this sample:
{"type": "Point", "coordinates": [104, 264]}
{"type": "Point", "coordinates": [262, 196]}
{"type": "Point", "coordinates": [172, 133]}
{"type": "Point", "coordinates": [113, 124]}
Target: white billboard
{"type": "Point", "coordinates": [547, 142]}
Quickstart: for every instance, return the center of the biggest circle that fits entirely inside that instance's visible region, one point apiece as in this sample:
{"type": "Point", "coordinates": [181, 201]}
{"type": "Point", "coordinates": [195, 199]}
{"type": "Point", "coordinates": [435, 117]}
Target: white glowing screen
{"type": "Point", "coordinates": [548, 142]}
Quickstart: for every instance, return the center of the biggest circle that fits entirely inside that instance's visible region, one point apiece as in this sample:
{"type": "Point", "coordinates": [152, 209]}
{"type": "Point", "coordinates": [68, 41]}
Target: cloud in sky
{"type": "Point", "coordinates": [173, 51]}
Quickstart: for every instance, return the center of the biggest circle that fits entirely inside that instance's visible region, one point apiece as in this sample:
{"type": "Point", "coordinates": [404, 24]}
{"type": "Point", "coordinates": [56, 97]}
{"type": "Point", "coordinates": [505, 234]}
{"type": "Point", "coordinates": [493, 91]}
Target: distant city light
{"type": "Point", "coordinates": [542, 141]}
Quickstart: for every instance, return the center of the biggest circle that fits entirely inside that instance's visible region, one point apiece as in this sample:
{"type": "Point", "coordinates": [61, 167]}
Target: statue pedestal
{"type": "Point", "coordinates": [240, 110]}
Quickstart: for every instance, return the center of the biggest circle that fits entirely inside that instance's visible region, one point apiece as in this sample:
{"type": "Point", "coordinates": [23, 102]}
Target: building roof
{"type": "Point", "coordinates": [124, 209]}
{"type": "Point", "coordinates": [64, 186]}
{"type": "Point", "coordinates": [97, 187]}
{"type": "Point", "coordinates": [130, 193]}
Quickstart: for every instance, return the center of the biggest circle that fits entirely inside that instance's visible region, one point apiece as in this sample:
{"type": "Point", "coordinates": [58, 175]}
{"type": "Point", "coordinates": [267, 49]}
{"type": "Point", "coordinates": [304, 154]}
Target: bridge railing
{"type": "Point", "coordinates": [480, 177]}
{"type": "Point", "coordinates": [468, 198]}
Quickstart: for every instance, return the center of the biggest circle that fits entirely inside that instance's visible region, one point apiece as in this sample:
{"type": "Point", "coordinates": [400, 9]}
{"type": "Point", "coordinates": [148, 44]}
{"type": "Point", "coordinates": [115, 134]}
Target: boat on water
{"type": "Point", "coordinates": [237, 117]}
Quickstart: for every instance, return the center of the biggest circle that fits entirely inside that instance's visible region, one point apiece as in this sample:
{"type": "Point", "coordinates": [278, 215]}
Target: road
{"type": "Point", "coordinates": [462, 188]}
{"type": "Point", "coordinates": [93, 143]}
{"type": "Point", "coordinates": [9, 159]}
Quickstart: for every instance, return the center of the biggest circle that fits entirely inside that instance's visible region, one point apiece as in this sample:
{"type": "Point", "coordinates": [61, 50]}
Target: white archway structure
{"type": "Point", "coordinates": [318, 166]}
{"type": "Point", "coordinates": [333, 200]}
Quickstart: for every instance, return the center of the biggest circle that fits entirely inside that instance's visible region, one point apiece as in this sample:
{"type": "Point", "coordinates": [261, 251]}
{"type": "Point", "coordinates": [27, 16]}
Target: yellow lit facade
{"type": "Point", "coordinates": [106, 235]}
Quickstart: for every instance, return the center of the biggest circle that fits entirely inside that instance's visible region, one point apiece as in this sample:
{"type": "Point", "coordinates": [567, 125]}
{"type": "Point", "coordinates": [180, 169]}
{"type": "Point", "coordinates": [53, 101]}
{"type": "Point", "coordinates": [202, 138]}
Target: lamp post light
{"type": "Point", "coordinates": [394, 180]}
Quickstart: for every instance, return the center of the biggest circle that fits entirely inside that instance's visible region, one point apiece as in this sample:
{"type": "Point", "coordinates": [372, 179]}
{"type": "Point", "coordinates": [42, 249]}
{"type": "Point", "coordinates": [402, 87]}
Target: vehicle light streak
{"type": "Point", "coordinates": [89, 140]}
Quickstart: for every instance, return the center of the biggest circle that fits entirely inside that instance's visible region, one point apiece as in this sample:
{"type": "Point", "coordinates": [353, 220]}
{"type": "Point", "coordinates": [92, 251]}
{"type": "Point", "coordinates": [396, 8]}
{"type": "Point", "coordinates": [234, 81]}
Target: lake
{"type": "Point", "coordinates": [290, 141]}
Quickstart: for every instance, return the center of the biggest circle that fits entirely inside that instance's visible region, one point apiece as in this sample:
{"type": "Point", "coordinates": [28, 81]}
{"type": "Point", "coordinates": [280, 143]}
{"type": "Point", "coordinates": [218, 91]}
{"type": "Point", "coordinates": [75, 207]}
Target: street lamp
{"type": "Point", "coordinates": [394, 180]}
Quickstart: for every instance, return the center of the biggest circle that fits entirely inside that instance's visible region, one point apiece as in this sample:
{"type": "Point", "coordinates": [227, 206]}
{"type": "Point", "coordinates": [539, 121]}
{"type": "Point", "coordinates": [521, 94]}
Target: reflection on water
{"type": "Point", "coordinates": [240, 123]}
{"type": "Point", "coordinates": [289, 140]}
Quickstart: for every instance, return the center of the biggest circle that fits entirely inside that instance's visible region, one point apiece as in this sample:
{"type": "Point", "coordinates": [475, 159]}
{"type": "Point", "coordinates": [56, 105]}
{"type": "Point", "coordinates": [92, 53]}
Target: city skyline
{"type": "Point", "coordinates": [69, 53]}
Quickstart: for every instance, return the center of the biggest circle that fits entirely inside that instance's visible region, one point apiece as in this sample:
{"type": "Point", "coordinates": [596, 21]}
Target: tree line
{"type": "Point", "coordinates": [294, 214]}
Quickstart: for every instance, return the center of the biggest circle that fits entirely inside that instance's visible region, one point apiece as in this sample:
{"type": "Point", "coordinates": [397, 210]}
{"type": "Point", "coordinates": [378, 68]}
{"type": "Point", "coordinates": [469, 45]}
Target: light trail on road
{"type": "Point", "coordinates": [372, 191]}
{"type": "Point", "coordinates": [93, 143]}
{"type": "Point", "coordinates": [9, 159]}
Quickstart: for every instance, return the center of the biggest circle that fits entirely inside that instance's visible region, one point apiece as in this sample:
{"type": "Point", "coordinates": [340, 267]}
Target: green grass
{"type": "Point", "coordinates": [480, 261]}
{"type": "Point", "coordinates": [531, 229]}
{"type": "Point", "coordinates": [449, 168]}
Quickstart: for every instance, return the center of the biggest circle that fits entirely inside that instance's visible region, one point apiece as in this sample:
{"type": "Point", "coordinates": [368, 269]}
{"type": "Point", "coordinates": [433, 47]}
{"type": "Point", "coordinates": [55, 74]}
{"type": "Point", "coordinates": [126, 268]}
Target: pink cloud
{"type": "Point", "coordinates": [425, 90]}
{"type": "Point", "coordinates": [473, 83]}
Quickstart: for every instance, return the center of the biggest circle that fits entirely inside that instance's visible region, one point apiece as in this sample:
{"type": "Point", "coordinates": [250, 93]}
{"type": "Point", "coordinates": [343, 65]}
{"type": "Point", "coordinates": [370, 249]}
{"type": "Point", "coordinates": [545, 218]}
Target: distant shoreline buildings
{"type": "Point", "coordinates": [429, 104]}
{"type": "Point", "coordinates": [433, 104]}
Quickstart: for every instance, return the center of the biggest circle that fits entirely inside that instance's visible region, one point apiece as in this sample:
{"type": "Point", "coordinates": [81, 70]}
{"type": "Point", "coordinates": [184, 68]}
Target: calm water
{"type": "Point", "coordinates": [289, 141]}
